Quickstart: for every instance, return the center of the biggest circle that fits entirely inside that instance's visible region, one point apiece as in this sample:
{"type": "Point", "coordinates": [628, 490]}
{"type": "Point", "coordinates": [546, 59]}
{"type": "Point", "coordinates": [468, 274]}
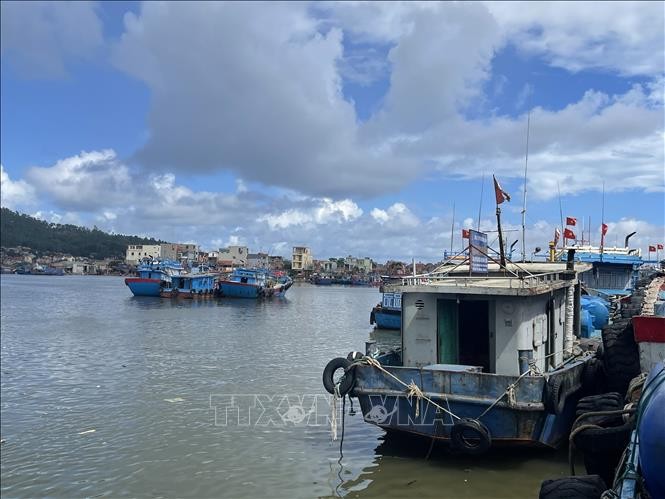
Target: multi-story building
{"type": "Point", "coordinates": [135, 252]}
{"type": "Point", "coordinates": [237, 255]}
{"type": "Point", "coordinates": [258, 260]}
{"type": "Point", "coordinates": [178, 251]}
{"type": "Point", "coordinates": [329, 266]}
{"type": "Point", "coordinates": [353, 264]}
{"type": "Point", "coordinates": [302, 259]}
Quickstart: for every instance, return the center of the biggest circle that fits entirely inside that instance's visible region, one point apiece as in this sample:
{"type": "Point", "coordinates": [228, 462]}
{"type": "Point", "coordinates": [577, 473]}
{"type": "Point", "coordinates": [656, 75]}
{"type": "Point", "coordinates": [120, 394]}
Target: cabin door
{"type": "Point", "coordinates": [447, 331]}
{"type": "Point", "coordinates": [474, 334]}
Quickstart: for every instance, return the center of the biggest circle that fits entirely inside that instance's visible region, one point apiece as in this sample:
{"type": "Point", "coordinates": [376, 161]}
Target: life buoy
{"type": "Point", "coordinates": [347, 380]}
{"type": "Point", "coordinates": [470, 436]}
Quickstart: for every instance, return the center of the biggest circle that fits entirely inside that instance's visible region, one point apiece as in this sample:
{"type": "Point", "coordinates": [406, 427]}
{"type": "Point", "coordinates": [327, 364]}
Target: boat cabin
{"type": "Point", "coordinates": [496, 323]}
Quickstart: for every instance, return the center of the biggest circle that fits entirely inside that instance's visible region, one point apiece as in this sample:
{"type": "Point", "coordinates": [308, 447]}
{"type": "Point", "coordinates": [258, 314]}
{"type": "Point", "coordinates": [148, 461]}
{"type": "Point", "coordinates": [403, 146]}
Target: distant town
{"type": "Point", "coordinates": [24, 260]}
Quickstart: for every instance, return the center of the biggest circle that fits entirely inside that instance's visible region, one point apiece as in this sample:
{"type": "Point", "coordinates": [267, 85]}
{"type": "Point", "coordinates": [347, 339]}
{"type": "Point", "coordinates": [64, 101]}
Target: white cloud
{"type": "Point", "coordinates": [398, 214]}
{"type": "Point", "coordinates": [323, 212]}
{"type": "Point", "coordinates": [14, 193]}
{"type": "Point", "coordinates": [262, 97]}
{"type": "Point", "coordinates": [39, 38]}
{"type": "Point", "coordinates": [625, 37]}
{"type": "Point", "coordinates": [84, 182]}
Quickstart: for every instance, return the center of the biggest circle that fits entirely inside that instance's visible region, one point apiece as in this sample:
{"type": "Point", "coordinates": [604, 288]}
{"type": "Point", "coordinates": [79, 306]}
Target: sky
{"type": "Point", "coordinates": [365, 129]}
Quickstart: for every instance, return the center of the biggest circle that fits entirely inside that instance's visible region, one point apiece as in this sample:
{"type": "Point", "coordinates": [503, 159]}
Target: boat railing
{"type": "Point", "coordinates": [510, 281]}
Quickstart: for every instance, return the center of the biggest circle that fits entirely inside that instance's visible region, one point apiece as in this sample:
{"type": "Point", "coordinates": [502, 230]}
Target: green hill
{"type": "Point", "coordinates": [17, 229]}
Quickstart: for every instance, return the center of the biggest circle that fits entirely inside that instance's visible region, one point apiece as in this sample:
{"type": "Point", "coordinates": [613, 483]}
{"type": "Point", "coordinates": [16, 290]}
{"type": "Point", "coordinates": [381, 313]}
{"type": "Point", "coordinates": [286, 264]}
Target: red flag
{"type": "Point", "coordinates": [557, 234]}
{"type": "Point", "coordinates": [603, 229]}
{"type": "Point", "coordinates": [465, 234]}
{"type": "Point", "coordinates": [571, 221]}
{"type": "Point", "coordinates": [652, 248]}
{"type": "Point", "coordinates": [499, 193]}
{"type": "Point", "coordinates": [659, 246]}
{"type": "Point", "coordinates": [569, 234]}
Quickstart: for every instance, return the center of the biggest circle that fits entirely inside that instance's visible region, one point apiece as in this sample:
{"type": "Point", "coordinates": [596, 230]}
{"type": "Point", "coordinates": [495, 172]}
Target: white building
{"type": "Point", "coordinates": [176, 251]}
{"type": "Point", "coordinates": [258, 260]}
{"type": "Point", "coordinates": [352, 264]}
{"type": "Point", "coordinates": [302, 259]}
{"type": "Point", "coordinates": [237, 255]}
{"type": "Point", "coordinates": [135, 252]}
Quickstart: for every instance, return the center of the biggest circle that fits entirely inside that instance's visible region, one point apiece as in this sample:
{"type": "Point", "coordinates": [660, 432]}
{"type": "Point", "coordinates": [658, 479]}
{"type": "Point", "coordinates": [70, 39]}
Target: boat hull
{"type": "Point", "coordinates": [388, 319]}
{"type": "Point", "coordinates": [524, 422]}
{"type": "Point", "coordinates": [239, 289]}
{"type": "Point", "coordinates": [140, 286]}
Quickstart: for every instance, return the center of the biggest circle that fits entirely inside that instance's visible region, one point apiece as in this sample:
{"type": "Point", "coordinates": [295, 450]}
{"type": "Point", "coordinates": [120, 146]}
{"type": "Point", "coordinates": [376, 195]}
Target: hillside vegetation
{"type": "Point", "coordinates": [17, 229]}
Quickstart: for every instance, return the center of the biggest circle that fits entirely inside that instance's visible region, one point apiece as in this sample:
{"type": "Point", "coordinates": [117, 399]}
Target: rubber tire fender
{"type": "Point", "coordinates": [555, 394]}
{"type": "Point", "coordinates": [347, 381]}
{"type": "Point", "coordinates": [460, 442]}
{"type": "Point", "coordinates": [578, 487]}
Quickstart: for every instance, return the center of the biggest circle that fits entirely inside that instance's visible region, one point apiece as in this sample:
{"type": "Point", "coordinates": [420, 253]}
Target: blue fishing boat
{"type": "Point", "coordinates": [254, 283]}
{"type": "Point", "coordinates": [153, 276]}
{"type": "Point", "coordinates": [614, 271]}
{"type": "Point", "coordinates": [199, 283]}
{"type": "Point", "coordinates": [388, 313]}
{"type": "Point", "coordinates": [485, 360]}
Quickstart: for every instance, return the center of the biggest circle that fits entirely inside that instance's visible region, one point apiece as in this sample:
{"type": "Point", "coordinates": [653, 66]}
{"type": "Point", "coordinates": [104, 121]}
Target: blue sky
{"type": "Point", "coordinates": [351, 128]}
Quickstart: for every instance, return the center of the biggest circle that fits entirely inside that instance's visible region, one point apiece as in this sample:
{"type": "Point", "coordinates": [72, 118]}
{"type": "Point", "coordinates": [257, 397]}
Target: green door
{"type": "Point", "coordinates": [447, 331]}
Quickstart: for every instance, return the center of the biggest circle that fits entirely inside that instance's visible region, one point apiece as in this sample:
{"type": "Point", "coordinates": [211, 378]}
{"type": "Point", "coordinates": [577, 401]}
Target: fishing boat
{"type": "Point", "coordinates": [254, 283]}
{"type": "Point", "coordinates": [485, 360]}
{"type": "Point", "coordinates": [614, 271]}
{"type": "Point", "coordinates": [153, 276]}
{"type": "Point", "coordinates": [199, 283]}
{"type": "Point", "coordinates": [388, 313]}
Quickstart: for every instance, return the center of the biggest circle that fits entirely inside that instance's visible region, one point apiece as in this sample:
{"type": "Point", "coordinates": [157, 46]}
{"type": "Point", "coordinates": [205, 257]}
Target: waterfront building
{"type": "Point", "coordinates": [135, 252]}
{"type": "Point", "coordinates": [258, 260]}
{"type": "Point", "coordinates": [178, 251]}
{"type": "Point", "coordinates": [353, 264]}
{"type": "Point", "coordinates": [302, 259]}
{"type": "Point", "coordinates": [236, 254]}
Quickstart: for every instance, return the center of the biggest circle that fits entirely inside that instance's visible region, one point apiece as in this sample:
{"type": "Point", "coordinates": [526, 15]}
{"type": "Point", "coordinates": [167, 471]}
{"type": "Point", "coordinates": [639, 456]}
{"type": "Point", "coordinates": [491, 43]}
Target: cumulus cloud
{"type": "Point", "coordinates": [14, 193]}
{"type": "Point", "coordinates": [253, 88]}
{"type": "Point", "coordinates": [398, 214]}
{"type": "Point", "coordinates": [40, 38]}
{"type": "Point", "coordinates": [325, 211]}
{"type": "Point", "coordinates": [85, 182]}
{"type": "Point", "coordinates": [626, 37]}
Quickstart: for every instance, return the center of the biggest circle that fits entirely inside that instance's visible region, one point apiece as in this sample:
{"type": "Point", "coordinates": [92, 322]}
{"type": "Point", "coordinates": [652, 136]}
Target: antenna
{"type": "Point", "coordinates": [452, 230]}
{"type": "Point", "coordinates": [480, 207]}
{"type": "Point", "coordinates": [558, 188]}
{"type": "Point", "coordinates": [526, 164]}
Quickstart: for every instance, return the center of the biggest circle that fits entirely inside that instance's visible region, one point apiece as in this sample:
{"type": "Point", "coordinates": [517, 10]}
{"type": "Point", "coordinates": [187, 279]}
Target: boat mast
{"type": "Point", "coordinates": [452, 231]}
{"type": "Point", "coordinates": [563, 243]}
{"type": "Point", "coordinates": [526, 164]}
{"type": "Point", "coordinates": [480, 206]}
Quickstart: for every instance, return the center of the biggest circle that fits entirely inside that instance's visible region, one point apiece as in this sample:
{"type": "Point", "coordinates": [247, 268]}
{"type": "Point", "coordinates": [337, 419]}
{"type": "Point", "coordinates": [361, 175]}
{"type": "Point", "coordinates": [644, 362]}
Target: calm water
{"type": "Point", "coordinates": [81, 354]}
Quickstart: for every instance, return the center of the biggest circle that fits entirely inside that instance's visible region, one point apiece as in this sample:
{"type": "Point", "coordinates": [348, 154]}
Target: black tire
{"type": "Point", "coordinates": [470, 436]}
{"type": "Point", "coordinates": [573, 487]}
{"type": "Point", "coordinates": [554, 398]}
{"type": "Point", "coordinates": [621, 358]}
{"type": "Point", "coordinates": [593, 377]}
{"type": "Point", "coordinates": [346, 382]}
{"type": "Point", "coordinates": [604, 402]}
{"type": "Point", "coordinates": [611, 436]}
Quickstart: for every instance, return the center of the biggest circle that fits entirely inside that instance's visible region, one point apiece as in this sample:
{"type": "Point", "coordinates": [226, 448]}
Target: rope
{"type": "Point", "coordinates": [417, 392]}
{"type": "Point", "coordinates": [586, 415]}
{"type": "Point", "coordinates": [333, 418]}
{"type": "Point", "coordinates": [507, 391]}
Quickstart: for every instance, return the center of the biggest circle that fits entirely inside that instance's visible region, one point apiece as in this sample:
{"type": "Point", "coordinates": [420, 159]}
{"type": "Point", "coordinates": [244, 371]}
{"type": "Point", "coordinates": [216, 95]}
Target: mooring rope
{"type": "Point", "coordinates": [412, 388]}
{"type": "Point", "coordinates": [510, 391]}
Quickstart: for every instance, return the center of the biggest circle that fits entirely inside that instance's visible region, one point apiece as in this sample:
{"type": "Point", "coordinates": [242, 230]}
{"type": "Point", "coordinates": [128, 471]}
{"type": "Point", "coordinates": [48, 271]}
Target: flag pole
{"type": "Point", "coordinates": [502, 254]}
{"type": "Point", "coordinates": [558, 188]}
{"type": "Point", "coordinates": [452, 230]}
{"type": "Point", "coordinates": [602, 221]}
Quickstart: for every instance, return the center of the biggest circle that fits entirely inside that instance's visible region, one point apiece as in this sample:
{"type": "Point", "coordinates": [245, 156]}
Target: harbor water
{"type": "Point", "coordinates": [109, 395]}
